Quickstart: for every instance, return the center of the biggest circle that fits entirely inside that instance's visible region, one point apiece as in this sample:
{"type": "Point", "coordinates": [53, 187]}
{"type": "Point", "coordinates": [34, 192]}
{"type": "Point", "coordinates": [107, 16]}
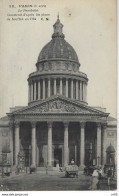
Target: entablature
{"type": "Point", "coordinates": [60, 74]}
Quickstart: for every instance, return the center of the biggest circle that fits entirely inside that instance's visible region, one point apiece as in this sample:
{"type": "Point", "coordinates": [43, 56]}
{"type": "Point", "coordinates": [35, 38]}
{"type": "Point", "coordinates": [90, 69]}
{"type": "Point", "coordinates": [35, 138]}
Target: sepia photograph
{"type": "Point", "coordinates": [58, 96]}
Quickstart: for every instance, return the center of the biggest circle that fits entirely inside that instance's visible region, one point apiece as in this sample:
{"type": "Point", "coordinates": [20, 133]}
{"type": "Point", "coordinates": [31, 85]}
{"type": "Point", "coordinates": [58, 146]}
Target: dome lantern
{"type": "Point", "coordinates": [58, 29]}
{"type": "Point", "coordinates": [58, 50]}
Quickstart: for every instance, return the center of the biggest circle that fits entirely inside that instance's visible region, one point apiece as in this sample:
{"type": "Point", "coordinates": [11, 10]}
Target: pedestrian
{"type": "Point", "coordinates": [100, 171]}
{"type": "Point", "coordinates": [112, 173]}
{"type": "Point", "coordinates": [95, 177]}
{"type": "Point", "coordinates": [109, 175]}
{"type": "Point", "coordinates": [72, 162]}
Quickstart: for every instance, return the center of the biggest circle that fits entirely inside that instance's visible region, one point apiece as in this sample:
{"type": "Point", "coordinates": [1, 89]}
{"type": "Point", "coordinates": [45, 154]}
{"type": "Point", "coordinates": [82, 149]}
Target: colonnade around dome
{"type": "Point", "coordinates": [47, 87]}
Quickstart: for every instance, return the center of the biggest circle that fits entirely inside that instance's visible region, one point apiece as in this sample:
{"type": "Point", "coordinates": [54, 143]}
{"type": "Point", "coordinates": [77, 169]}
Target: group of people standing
{"type": "Point", "coordinates": [98, 175]}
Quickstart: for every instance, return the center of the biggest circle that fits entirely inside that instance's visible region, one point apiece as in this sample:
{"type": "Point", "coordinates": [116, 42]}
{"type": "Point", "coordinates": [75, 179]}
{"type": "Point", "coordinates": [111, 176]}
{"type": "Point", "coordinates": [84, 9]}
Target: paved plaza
{"type": "Point", "coordinates": [43, 182]}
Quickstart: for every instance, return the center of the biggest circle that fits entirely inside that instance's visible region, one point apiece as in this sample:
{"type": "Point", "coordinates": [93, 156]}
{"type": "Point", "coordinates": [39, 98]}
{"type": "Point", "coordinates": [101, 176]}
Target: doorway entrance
{"type": "Point", "coordinates": [58, 157]}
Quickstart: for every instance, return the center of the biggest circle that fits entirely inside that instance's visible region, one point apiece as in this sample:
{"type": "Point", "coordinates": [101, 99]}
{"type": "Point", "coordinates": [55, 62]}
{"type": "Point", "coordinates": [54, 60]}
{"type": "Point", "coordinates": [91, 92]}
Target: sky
{"type": "Point", "coordinates": [89, 26]}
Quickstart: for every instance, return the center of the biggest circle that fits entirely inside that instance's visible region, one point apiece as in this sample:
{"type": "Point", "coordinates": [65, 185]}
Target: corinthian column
{"type": "Point", "coordinates": [66, 87]}
{"type": "Point", "coordinates": [83, 91]}
{"type": "Point", "coordinates": [39, 89]}
{"type": "Point", "coordinates": [98, 144]}
{"type": "Point", "coordinates": [34, 90]}
{"type": "Point", "coordinates": [33, 144]}
{"type": "Point", "coordinates": [49, 87]}
{"type": "Point", "coordinates": [71, 88]}
{"type": "Point", "coordinates": [49, 143]}
{"type": "Point", "coordinates": [11, 140]}
{"type": "Point", "coordinates": [43, 88]}
{"type": "Point", "coordinates": [86, 92]}
{"type": "Point", "coordinates": [31, 91]}
{"type": "Point", "coordinates": [17, 146]}
{"type": "Point", "coordinates": [60, 86]}
{"type": "Point", "coordinates": [80, 90]}
{"type": "Point", "coordinates": [104, 129]}
{"type": "Point", "coordinates": [54, 86]}
{"type": "Point", "coordinates": [77, 90]}
{"type": "Point", "coordinates": [82, 145]}
{"type": "Point", "coordinates": [66, 143]}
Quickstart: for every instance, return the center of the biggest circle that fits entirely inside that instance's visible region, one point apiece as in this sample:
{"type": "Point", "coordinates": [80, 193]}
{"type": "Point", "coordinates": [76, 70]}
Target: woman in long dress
{"type": "Point", "coordinates": [95, 176]}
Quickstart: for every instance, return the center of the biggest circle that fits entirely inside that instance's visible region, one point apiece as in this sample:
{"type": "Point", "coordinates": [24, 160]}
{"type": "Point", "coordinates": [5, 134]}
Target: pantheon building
{"type": "Point", "coordinates": [58, 125]}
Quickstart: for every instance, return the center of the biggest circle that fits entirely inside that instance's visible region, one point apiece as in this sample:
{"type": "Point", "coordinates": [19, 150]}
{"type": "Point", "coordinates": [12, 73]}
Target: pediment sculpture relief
{"type": "Point", "coordinates": [59, 106]}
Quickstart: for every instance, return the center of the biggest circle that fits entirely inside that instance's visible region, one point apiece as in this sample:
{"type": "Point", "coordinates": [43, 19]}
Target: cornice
{"type": "Point", "coordinates": [57, 59]}
{"type": "Point", "coordinates": [111, 126]}
{"type": "Point", "coordinates": [58, 114]}
{"type": "Point", "coordinates": [62, 74]}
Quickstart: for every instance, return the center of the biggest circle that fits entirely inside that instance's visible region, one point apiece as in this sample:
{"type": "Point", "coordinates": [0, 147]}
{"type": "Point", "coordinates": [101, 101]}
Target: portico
{"type": "Point", "coordinates": [66, 133]}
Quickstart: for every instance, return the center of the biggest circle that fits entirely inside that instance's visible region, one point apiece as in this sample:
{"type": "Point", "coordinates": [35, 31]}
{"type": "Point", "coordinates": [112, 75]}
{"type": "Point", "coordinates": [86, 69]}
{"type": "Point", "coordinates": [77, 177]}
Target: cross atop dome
{"type": "Point", "coordinates": [58, 28]}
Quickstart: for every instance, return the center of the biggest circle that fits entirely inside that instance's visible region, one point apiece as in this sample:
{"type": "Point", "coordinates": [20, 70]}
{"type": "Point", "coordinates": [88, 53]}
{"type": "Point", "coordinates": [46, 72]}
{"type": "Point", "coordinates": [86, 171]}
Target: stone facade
{"type": "Point", "coordinates": [58, 125]}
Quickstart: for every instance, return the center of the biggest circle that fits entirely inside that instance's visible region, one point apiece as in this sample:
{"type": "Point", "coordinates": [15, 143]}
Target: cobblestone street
{"type": "Point", "coordinates": [38, 182]}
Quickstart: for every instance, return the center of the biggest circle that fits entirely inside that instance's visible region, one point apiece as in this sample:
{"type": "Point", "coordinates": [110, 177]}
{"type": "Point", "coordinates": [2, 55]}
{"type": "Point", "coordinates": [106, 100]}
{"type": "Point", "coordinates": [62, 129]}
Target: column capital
{"type": "Point", "coordinates": [17, 124]}
{"type": "Point", "coordinates": [98, 124]}
{"type": "Point", "coordinates": [11, 124]}
{"type": "Point", "coordinates": [104, 125]}
{"type": "Point", "coordinates": [30, 82]}
{"type": "Point", "coordinates": [33, 124]}
{"type": "Point", "coordinates": [49, 124]}
{"type": "Point", "coordinates": [82, 124]}
{"type": "Point", "coordinates": [66, 124]}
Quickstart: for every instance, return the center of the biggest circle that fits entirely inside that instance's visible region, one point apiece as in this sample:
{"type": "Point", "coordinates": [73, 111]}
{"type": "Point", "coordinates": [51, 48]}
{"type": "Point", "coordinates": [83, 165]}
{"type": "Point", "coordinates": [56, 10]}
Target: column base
{"type": "Point", "coordinates": [49, 164]}
{"type": "Point", "coordinates": [32, 168]}
{"type": "Point", "coordinates": [99, 166]}
{"type": "Point", "coordinates": [65, 164]}
{"type": "Point", "coordinates": [81, 167]}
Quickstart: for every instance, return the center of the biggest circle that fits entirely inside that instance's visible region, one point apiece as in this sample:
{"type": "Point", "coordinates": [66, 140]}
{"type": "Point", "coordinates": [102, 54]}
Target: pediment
{"type": "Point", "coordinates": [58, 105]}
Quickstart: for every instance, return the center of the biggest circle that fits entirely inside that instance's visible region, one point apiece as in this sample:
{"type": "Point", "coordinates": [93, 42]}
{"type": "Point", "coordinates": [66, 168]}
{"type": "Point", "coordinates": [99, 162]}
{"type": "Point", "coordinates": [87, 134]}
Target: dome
{"type": "Point", "coordinates": [58, 48]}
